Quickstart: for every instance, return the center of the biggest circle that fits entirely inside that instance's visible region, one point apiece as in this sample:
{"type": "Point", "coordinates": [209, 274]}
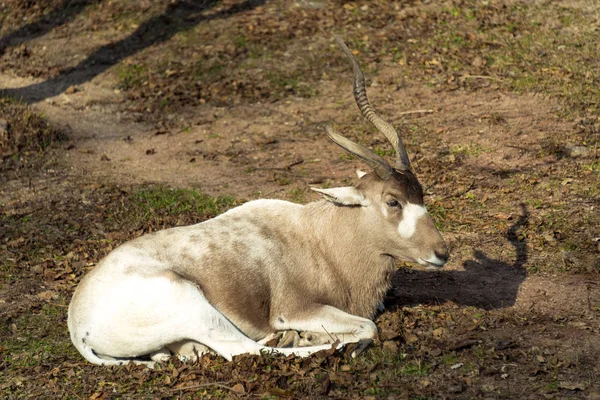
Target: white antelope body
{"type": "Point", "coordinates": [265, 266]}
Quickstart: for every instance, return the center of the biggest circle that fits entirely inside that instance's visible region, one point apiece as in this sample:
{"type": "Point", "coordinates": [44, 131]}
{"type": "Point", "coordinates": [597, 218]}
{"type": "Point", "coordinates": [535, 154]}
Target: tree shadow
{"type": "Point", "coordinates": [45, 23]}
{"type": "Point", "coordinates": [180, 16]}
{"type": "Point", "coordinates": [486, 283]}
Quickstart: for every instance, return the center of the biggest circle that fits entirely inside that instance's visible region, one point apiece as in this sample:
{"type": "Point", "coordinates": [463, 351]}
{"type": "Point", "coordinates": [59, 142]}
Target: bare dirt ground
{"type": "Point", "coordinates": [145, 115]}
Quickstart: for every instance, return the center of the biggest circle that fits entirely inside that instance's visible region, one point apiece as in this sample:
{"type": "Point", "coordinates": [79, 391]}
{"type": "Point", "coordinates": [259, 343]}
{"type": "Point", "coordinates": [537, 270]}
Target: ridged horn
{"type": "Point", "coordinates": [360, 95]}
{"type": "Point", "coordinates": [378, 163]}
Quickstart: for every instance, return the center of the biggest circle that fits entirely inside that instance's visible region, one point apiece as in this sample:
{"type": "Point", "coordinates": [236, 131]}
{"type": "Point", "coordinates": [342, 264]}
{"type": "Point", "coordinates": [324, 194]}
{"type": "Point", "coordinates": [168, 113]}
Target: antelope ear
{"type": "Point", "coordinates": [345, 196]}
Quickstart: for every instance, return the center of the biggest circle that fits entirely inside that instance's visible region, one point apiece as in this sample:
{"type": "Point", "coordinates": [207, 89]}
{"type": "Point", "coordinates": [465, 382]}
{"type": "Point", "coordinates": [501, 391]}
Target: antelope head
{"type": "Point", "coordinates": [392, 197]}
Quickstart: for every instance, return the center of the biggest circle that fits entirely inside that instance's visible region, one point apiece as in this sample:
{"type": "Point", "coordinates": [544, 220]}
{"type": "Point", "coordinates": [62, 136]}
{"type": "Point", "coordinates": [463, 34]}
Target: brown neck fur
{"type": "Point", "coordinates": [357, 261]}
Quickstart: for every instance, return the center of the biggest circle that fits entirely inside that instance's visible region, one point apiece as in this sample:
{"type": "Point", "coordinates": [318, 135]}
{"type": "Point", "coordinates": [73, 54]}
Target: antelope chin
{"type": "Point", "coordinates": [432, 263]}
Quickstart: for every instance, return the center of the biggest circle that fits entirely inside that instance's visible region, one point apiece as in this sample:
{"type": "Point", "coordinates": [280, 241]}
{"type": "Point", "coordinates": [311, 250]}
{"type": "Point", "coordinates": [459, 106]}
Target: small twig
{"type": "Point", "coordinates": [591, 201]}
{"type": "Point", "coordinates": [330, 336]}
{"type": "Point", "coordinates": [391, 385]}
{"type": "Point", "coordinates": [460, 193]}
{"type": "Point", "coordinates": [276, 169]}
{"type": "Point", "coordinates": [491, 78]}
{"type": "Point", "coordinates": [59, 305]}
{"type": "Point", "coordinates": [416, 112]}
{"type": "Point", "coordinates": [74, 394]}
{"type": "Point", "coordinates": [300, 161]}
{"type": "Point", "coordinates": [494, 43]}
{"type": "Point", "coordinates": [269, 169]}
{"type": "Point", "coordinates": [272, 110]}
{"type": "Point", "coordinates": [203, 385]}
{"type": "Point", "coordinates": [517, 147]}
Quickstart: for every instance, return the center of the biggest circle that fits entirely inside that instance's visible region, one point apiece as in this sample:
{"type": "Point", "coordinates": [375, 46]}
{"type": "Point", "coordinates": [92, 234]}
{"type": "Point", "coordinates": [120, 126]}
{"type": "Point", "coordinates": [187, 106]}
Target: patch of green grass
{"type": "Point", "coordinates": [480, 352]}
{"type": "Point", "coordinates": [593, 166]}
{"type": "Point", "coordinates": [535, 203]}
{"type": "Point", "coordinates": [160, 199]}
{"type": "Point", "coordinates": [416, 368]}
{"type": "Point", "coordinates": [30, 134]}
{"type": "Point", "coordinates": [398, 55]}
{"type": "Point", "coordinates": [552, 386]}
{"type": "Point", "coordinates": [570, 245]}
{"type": "Point", "coordinates": [533, 270]}
{"type": "Point", "coordinates": [290, 81]}
{"type": "Point", "coordinates": [497, 118]}
{"type": "Point", "coordinates": [450, 359]}
{"type": "Point", "coordinates": [209, 72]}
{"type": "Point", "coordinates": [375, 391]}
{"type": "Point", "coordinates": [131, 76]}
{"type": "Point", "coordinates": [9, 273]}
{"type": "Point", "coordinates": [257, 53]}
{"type": "Point", "coordinates": [528, 47]}
{"type": "Point", "coordinates": [10, 100]}
{"type": "Point", "coordinates": [346, 156]}
{"type": "Point", "coordinates": [282, 180]}
{"type": "Point", "coordinates": [385, 152]}
{"type": "Point", "coordinates": [298, 196]}
{"type": "Point", "coordinates": [37, 338]}
{"type": "Point", "coordinates": [555, 219]}
{"type": "Point", "coordinates": [357, 44]}
{"type": "Point", "coordinates": [240, 40]}
{"type": "Point", "coordinates": [469, 149]}
{"type": "Point", "coordinates": [438, 213]}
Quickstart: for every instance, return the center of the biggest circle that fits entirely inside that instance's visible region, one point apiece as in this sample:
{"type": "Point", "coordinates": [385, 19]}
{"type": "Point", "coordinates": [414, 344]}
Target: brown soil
{"type": "Point", "coordinates": [518, 305]}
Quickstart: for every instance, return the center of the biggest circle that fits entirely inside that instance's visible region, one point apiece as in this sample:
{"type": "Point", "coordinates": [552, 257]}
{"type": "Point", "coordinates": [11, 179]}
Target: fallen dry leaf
{"type": "Point", "coordinates": [47, 295]}
{"type": "Point", "coordinates": [238, 388]}
{"type": "Point", "coordinates": [569, 385]}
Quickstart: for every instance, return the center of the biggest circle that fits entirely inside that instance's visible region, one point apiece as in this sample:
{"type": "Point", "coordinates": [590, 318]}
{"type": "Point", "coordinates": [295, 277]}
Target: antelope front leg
{"type": "Point", "coordinates": [322, 319]}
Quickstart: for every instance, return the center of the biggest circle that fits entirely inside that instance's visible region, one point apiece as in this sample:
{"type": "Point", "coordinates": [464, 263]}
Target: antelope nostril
{"type": "Point", "coordinates": [442, 255]}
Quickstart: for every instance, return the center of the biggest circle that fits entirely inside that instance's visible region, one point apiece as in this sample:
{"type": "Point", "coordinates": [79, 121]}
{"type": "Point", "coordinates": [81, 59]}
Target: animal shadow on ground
{"type": "Point", "coordinates": [485, 282]}
{"type": "Point", "coordinates": [181, 15]}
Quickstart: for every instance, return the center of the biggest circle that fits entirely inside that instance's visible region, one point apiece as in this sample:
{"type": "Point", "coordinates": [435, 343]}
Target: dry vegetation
{"type": "Point", "coordinates": [235, 94]}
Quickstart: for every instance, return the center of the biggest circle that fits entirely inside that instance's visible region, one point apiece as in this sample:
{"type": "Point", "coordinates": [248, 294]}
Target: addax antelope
{"type": "Point", "coordinates": [265, 266]}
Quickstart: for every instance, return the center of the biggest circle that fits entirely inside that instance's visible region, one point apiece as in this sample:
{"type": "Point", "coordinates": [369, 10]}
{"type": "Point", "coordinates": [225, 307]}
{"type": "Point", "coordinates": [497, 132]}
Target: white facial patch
{"type": "Point", "coordinates": [410, 216]}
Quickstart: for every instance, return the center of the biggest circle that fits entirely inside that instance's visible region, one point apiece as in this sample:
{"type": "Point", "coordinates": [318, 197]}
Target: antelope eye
{"type": "Point", "coordinates": [394, 203]}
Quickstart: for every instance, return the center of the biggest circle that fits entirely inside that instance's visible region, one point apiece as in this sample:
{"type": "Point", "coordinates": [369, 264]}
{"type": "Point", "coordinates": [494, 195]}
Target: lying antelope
{"type": "Point", "coordinates": [265, 266]}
